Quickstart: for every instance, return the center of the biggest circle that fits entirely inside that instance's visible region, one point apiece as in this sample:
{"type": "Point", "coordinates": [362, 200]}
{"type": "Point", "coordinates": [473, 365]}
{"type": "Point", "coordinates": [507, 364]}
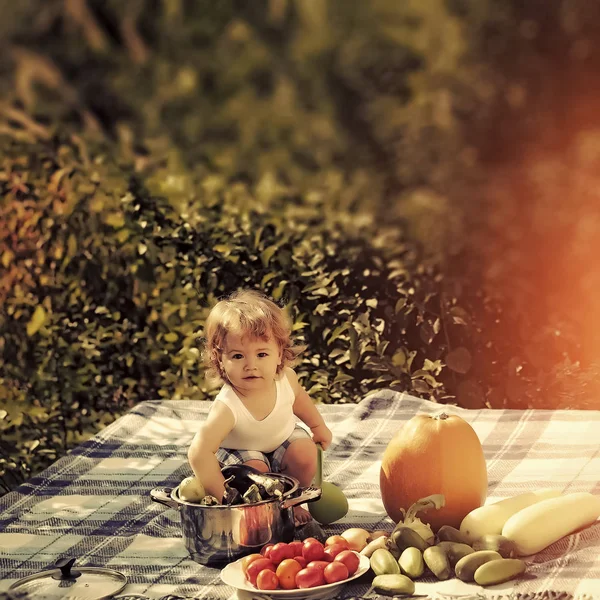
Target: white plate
{"type": "Point", "coordinates": [233, 575]}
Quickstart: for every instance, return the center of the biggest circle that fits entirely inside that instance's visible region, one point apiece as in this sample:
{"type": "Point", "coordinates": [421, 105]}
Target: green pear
{"type": "Point", "coordinates": [331, 506]}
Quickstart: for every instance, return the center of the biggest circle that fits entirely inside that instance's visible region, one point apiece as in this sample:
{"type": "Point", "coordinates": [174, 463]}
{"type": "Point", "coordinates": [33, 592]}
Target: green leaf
{"type": "Point", "coordinates": [267, 278]}
{"type": "Point", "coordinates": [459, 315]}
{"type": "Point", "coordinates": [7, 258]}
{"type": "Point", "coordinates": [418, 385]}
{"type": "Point", "coordinates": [267, 254]}
{"type": "Point", "coordinates": [433, 366]}
{"type": "Point", "coordinates": [459, 360]}
{"type": "Point", "coordinates": [37, 320]}
{"type": "Point", "coordinates": [278, 291]}
{"type": "Point", "coordinates": [342, 377]}
{"type": "Point", "coordinates": [223, 249]}
{"type": "Point", "coordinates": [400, 304]}
{"type": "Point", "coordinates": [71, 247]}
{"type": "Point", "coordinates": [123, 235]}
{"type": "Point", "coordinates": [114, 219]}
{"type": "Point", "coordinates": [337, 332]}
{"type": "Point", "coordinates": [399, 358]}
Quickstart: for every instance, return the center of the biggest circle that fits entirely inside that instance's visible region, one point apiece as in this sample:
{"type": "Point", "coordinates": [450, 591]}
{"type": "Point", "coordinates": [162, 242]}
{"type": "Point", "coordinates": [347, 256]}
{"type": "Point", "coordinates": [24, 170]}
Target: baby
{"type": "Point", "coordinates": [253, 419]}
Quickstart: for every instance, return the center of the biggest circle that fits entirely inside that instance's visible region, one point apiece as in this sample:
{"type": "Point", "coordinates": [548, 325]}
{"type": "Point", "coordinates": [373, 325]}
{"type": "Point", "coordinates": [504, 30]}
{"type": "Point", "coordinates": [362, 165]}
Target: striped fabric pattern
{"type": "Point", "coordinates": [94, 504]}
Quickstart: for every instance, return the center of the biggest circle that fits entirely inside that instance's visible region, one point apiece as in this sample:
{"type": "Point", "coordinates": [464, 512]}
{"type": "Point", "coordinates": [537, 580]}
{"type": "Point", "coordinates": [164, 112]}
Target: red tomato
{"type": "Point", "coordinates": [313, 550]}
{"type": "Point", "coordinates": [286, 573]}
{"type": "Point", "coordinates": [309, 577]}
{"type": "Point", "coordinates": [266, 550]}
{"type": "Point", "coordinates": [267, 580]}
{"type": "Point", "coordinates": [332, 551]}
{"type": "Point", "coordinates": [337, 539]}
{"type": "Point", "coordinates": [296, 547]}
{"type": "Point", "coordinates": [248, 559]}
{"type": "Point", "coordinates": [279, 552]}
{"type": "Point", "coordinates": [317, 564]}
{"type": "Point", "coordinates": [335, 571]}
{"type": "Point", "coordinates": [350, 559]}
{"type": "Point", "coordinates": [256, 566]}
{"type": "Point", "coordinates": [300, 559]}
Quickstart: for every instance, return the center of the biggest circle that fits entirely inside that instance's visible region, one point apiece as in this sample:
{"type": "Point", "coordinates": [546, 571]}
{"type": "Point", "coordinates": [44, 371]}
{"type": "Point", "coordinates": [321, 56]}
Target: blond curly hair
{"type": "Point", "coordinates": [247, 313]}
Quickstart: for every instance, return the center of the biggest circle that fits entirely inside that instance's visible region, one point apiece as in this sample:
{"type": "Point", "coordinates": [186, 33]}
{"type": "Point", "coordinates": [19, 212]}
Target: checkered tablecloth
{"type": "Point", "coordinates": [95, 505]}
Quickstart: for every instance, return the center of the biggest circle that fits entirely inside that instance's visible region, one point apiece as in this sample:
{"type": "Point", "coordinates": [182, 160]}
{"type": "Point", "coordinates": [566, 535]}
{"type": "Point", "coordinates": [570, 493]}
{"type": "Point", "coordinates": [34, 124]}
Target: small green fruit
{"type": "Point", "coordinates": [331, 506]}
{"type": "Point", "coordinates": [411, 563]}
{"type": "Point", "coordinates": [499, 571]}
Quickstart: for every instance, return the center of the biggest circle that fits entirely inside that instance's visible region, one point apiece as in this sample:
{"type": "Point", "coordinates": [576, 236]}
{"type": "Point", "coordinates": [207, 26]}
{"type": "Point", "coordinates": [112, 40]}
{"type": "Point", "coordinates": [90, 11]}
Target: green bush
{"type": "Point", "coordinates": [112, 273]}
{"type": "Point", "coordinates": [152, 180]}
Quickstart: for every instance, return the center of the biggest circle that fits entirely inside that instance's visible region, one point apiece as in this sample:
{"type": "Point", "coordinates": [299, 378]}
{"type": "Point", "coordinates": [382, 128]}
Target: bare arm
{"type": "Point", "coordinates": [201, 453]}
{"type": "Point", "coordinates": [307, 412]}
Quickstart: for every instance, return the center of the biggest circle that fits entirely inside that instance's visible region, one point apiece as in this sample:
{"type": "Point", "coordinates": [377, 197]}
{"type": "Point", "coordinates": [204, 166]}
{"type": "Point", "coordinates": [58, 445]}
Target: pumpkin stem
{"type": "Point", "coordinates": [441, 416]}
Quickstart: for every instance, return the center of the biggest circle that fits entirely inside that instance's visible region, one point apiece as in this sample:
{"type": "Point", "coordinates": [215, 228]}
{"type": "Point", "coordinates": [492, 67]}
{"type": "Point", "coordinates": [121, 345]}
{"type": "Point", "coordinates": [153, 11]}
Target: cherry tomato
{"type": "Point", "coordinates": [335, 571]}
{"type": "Point", "coordinates": [248, 559]}
{"type": "Point", "coordinates": [332, 551]}
{"type": "Point", "coordinates": [317, 564]}
{"type": "Point", "coordinates": [309, 577]}
{"type": "Point", "coordinates": [279, 552]}
{"type": "Point", "coordinates": [256, 566]}
{"type": "Point", "coordinates": [310, 539]}
{"type": "Point", "coordinates": [286, 573]}
{"type": "Point", "coordinates": [296, 547]}
{"type": "Point", "coordinates": [300, 559]}
{"type": "Point", "coordinates": [337, 539]}
{"type": "Point", "coordinates": [267, 580]}
{"type": "Point", "coordinates": [350, 559]}
{"type": "Point", "coordinates": [313, 550]}
{"type": "Point", "coordinates": [266, 550]}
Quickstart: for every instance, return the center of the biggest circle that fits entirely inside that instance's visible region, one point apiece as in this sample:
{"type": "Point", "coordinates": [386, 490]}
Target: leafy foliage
{"type": "Point", "coordinates": [109, 281]}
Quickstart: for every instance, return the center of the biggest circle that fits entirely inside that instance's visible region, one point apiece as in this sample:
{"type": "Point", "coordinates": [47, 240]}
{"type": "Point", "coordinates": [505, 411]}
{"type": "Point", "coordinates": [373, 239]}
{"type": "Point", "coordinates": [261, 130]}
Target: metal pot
{"type": "Point", "coordinates": [220, 534]}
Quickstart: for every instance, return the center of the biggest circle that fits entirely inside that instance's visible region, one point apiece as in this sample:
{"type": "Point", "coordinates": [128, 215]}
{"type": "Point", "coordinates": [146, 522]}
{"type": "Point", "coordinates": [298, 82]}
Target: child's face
{"type": "Point", "coordinates": [250, 364]}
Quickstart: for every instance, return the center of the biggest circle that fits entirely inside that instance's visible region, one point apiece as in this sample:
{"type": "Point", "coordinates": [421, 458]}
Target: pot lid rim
{"type": "Point", "coordinates": [117, 577]}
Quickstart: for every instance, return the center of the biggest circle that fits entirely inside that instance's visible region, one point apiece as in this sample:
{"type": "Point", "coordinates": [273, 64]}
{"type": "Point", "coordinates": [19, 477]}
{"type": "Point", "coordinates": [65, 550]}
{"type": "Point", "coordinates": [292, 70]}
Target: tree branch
{"type": "Point", "coordinates": [80, 13]}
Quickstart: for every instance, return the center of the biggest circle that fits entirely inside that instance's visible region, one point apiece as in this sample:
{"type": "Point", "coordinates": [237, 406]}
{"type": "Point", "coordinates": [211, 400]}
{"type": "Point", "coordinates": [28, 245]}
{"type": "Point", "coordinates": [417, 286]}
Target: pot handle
{"type": "Point", "coordinates": [308, 495]}
{"type": "Point", "coordinates": [163, 496]}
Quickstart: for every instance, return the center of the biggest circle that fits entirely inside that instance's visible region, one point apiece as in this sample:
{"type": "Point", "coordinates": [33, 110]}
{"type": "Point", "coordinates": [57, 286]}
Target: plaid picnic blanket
{"type": "Point", "coordinates": [95, 505]}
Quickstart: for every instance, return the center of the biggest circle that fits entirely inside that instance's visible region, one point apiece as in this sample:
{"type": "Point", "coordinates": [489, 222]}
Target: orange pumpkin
{"type": "Point", "coordinates": [434, 454]}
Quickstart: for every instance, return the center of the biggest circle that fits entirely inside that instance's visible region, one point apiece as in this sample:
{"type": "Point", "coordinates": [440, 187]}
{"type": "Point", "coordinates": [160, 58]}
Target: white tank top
{"type": "Point", "coordinates": [266, 435]}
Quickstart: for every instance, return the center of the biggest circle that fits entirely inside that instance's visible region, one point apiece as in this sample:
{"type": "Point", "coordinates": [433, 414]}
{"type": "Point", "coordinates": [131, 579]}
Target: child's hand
{"type": "Point", "coordinates": [322, 435]}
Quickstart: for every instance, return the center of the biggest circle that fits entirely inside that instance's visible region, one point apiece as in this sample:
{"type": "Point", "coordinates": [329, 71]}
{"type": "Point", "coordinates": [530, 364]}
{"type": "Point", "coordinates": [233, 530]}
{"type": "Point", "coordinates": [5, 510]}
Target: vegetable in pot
{"type": "Point", "coordinates": [231, 495]}
{"type": "Point", "coordinates": [252, 495]}
{"type": "Point", "coordinates": [242, 477]}
{"type": "Point", "coordinates": [209, 501]}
